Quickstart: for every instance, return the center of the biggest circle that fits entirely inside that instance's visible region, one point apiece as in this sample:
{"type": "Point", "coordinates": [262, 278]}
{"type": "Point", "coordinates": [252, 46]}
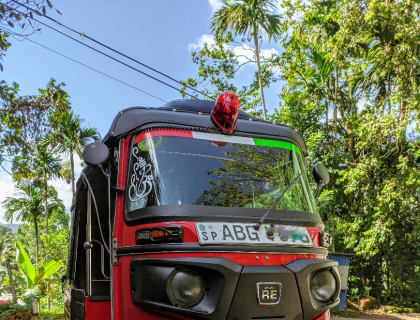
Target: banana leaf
{"type": "Point", "coordinates": [46, 270]}
{"type": "Point", "coordinates": [25, 265]}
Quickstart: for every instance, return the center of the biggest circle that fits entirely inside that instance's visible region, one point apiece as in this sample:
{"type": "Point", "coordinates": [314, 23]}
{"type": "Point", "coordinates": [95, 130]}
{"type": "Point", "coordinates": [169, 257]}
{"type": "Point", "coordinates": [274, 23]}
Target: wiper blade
{"type": "Point", "coordinates": [260, 222]}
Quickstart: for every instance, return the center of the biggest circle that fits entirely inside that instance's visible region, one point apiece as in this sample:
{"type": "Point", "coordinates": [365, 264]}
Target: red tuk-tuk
{"type": "Point", "coordinates": [196, 210]}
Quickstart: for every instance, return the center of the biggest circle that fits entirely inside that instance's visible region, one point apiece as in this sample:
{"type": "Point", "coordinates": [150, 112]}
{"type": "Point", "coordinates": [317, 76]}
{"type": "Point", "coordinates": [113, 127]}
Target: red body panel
{"type": "Point", "coordinates": [118, 229]}
{"type": "Point", "coordinates": [97, 310]}
{"type": "Point", "coordinates": [190, 234]}
{"type": "Point", "coordinates": [322, 316]}
{"type": "Point", "coordinates": [245, 259]}
{"type": "Point", "coordinates": [163, 133]}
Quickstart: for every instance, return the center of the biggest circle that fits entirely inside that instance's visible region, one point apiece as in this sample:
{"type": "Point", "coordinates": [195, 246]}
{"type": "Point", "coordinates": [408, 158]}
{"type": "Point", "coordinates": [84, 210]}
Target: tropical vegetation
{"type": "Point", "coordinates": [250, 19]}
{"type": "Point", "coordinates": [40, 140]}
{"type": "Point", "coordinates": [348, 78]}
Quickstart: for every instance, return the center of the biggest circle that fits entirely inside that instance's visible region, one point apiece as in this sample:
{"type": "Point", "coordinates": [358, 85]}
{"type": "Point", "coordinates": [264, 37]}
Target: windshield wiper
{"type": "Point", "coordinates": [259, 223]}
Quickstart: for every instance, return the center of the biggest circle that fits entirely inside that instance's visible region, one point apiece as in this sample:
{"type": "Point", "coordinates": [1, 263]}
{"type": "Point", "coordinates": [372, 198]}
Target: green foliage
{"type": "Point", "coordinates": [350, 87]}
{"type": "Point", "coordinates": [345, 58]}
{"type": "Point", "coordinates": [28, 206]}
{"type": "Point", "coordinates": [16, 19]}
{"type": "Point", "coordinates": [25, 119]}
{"type": "Point", "coordinates": [4, 45]}
{"type": "Point", "coordinates": [219, 67]}
{"type": "Point", "coordinates": [249, 19]}
{"type": "Point", "coordinates": [57, 243]}
{"type": "Point", "coordinates": [7, 309]}
{"type": "Point", "coordinates": [52, 315]}
{"type": "Point", "coordinates": [35, 277]}
{"type": "Point", "coordinates": [56, 300]}
{"type": "Point", "coordinates": [25, 265]}
{"type": "Point", "coordinates": [69, 137]}
{"type": "Point", "coordinates": [26, 125]}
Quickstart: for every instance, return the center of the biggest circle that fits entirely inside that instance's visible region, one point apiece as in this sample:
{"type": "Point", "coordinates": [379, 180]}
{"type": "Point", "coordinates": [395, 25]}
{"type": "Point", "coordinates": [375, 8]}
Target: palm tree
{"type": "Point", "coordinates": [249, 18]}
{"type": "Point", "coordinates": [316, 80]}
{"type": "Point", "coordinates": [27, 206]}
{"type": "Point", "coordinates": [70, 138]}
{"type": "Point", "coordinates": [48, 167]}
{"type": "Point", "coordinates": [40, 168]}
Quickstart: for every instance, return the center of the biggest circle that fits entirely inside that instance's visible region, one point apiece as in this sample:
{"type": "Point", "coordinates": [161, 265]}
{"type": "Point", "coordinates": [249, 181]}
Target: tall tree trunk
{"type": "Point", "coordinates": [389, 93]}
{"type": "Point", "coordinates": [257, 56]}
{"type": "Point", "coordinates": [46, 232]}
{"type": "Point", "coordinates": [402, 120]}
{"type": "Point", "coordinates": [36, 243]}
{"type": "Point", "coordinates": [335, 103]}
{"type": "Point", "coordinates": [73, 189]}
{"type": "Point", "coordinates": [48, 296]}
{"type": "Point", "coordinates": [46, 204]}
{"type": "Point", "coordinates": [408, 8]}
{"type": "Point", "coordinates": [12, 284]}
{"type": "Point", "coordinates": [350, 150]}
{"type": "Point", "coordinates": [326, 116]}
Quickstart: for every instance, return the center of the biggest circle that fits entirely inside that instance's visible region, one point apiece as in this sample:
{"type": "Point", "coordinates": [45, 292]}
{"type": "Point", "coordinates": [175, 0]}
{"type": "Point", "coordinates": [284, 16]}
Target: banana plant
{"type": "Point", "coordinates": [34, 277]}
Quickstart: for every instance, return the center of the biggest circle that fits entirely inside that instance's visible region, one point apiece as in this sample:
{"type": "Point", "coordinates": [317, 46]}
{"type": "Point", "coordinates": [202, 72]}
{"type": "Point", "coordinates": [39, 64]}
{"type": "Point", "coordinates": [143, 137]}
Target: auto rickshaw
{"type": "Point", "coordinates": [196, 210]}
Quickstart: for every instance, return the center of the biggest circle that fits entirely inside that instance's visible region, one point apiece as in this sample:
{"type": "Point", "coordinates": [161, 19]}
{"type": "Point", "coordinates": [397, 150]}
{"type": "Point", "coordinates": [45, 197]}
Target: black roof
{"type": "Point", "coordinates": [194, 114]}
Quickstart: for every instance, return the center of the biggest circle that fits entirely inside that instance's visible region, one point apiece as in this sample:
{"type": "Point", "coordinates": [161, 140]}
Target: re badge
{"type": "Point", "coordinates": [268, 293]}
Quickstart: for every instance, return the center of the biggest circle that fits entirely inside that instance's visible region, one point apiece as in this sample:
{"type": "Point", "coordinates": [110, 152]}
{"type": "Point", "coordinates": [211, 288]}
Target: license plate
{"type": "Point", "coordinates": [244, 233]}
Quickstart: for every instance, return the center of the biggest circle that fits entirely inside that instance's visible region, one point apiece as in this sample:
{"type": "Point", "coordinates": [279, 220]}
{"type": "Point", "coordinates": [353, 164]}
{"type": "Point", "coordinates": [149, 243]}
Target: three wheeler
{"type": "Point", "coordinates": [196, 210]}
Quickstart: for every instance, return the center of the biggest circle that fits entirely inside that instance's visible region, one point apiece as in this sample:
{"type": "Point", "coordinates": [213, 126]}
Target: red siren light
{"type": "Point", "coordinates": [226, 111]}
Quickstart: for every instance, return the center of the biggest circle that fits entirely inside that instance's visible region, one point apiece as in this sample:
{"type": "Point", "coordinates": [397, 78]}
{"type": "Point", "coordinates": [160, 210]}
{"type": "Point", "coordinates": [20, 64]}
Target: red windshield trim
{"type": "Point", "coordinates": [163, 133]}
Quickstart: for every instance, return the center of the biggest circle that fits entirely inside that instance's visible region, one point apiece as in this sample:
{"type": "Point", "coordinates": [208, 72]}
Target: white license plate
{"type": "Point", "coordinates": [244, 233]}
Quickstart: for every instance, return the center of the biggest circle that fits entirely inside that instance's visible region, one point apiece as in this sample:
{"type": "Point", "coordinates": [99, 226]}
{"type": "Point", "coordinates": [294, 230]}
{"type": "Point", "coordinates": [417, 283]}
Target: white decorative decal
{"type": "Point", "coordinates": [141, 181]}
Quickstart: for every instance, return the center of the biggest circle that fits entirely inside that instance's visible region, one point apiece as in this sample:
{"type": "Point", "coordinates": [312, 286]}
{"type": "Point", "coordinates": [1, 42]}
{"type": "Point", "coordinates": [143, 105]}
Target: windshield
{"type": "Point", "coordinates": [174, 167]}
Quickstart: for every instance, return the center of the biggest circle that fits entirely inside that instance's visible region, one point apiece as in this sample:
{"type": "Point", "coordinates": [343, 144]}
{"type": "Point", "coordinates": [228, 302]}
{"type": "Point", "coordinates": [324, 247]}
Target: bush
{"type": "Point", "coordinates": [8, 309]}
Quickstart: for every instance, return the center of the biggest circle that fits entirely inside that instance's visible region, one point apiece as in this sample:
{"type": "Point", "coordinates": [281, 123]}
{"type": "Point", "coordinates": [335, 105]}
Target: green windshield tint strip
{"type": "Point", "coordinates": [276, 144]}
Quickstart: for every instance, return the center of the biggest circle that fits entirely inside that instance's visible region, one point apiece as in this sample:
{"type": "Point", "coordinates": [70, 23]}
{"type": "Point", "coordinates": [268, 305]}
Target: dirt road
{"type": "Point", "coordinates": [377, 315]}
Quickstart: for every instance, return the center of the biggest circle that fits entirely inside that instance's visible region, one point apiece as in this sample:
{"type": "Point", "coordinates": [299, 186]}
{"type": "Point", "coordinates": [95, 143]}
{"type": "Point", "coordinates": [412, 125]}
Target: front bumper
{"type": "Point", "coordinates": [231, 289]}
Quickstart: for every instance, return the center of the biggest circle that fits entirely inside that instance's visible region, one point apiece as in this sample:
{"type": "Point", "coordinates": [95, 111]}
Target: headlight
{"type": "Point", "coordinates": [185, 288]}
{"type": "Point", "coordinates": [323, 285]}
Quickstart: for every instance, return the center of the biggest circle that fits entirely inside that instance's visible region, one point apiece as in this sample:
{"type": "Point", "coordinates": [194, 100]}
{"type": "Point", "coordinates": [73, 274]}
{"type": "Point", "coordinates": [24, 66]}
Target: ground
{"type": "Point", "coordinates": [375, 315]}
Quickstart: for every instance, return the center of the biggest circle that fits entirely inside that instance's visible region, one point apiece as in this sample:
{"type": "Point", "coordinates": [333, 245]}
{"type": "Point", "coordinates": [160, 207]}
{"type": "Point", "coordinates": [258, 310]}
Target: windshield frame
{"type": "Point", "coordinates": [264, 140]}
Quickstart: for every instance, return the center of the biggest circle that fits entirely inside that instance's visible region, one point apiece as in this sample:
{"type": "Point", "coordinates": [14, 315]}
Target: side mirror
{"type": "Point", "coordinates": [321, 176]}
{"type": "Point", "coordinates": [96, 154]}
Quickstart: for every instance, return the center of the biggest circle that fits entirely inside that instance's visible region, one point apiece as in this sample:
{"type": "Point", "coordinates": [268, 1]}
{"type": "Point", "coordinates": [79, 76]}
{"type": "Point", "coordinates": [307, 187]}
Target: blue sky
{"type": "Point", "coordinates": [160, 33]}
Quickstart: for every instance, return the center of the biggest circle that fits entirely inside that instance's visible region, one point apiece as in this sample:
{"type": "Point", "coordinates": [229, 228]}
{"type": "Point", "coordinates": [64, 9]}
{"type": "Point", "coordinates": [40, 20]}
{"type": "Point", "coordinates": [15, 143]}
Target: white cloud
{"type": "Point", "coordinates": [6, 190]}
{"type": "Point", "coordinates": [199, 44]}
{"type": "Point", "coordinates": [244, 52]}
{"type": "Point", "coordinates": [64, 189]}
{"type": "Point", "coordinates": [215, 5]}
{"type": "Point", "coordinates": [77, 167]}
{"type": "Point", "coordinates": [266, 53]}
{"type": "Point", "coordinates": [64, 192]}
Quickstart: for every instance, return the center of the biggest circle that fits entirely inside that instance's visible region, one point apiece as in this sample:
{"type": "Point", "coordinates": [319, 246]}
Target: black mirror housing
{"type": "Point", "coordinates": [321, 174]}
{"type": "Point", "coordinates": [96, 154]}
